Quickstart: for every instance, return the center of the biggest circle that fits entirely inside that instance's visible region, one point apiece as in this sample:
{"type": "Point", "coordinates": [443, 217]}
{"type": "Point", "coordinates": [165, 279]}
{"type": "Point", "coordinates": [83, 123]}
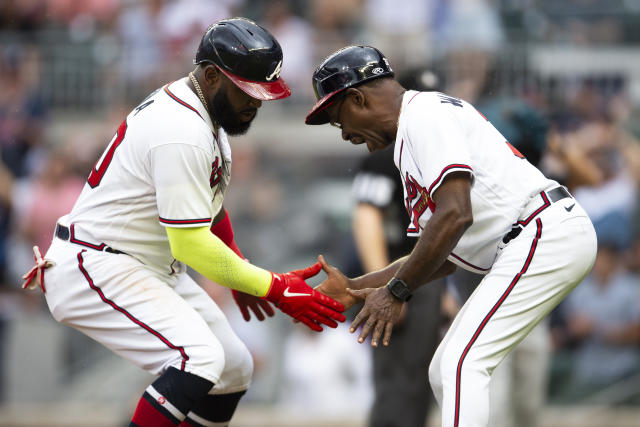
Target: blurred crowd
{"type": "Point", "coordinates": [70, 70]}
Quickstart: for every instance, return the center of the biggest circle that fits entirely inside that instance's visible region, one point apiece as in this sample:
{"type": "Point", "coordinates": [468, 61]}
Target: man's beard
{"type": "Point", "coordinates": [226, 117]}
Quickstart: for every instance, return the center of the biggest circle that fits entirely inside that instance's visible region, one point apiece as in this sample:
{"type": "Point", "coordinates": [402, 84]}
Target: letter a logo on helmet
{"type": "Point", "coordinates": [276, 72]}
{"type": "Point", "coordinates": [247, 54]}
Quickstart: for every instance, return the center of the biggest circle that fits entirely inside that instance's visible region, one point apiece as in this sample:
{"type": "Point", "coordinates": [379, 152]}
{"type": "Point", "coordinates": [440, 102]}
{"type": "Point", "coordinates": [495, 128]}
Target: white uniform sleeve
{"type": "Point", "coordinates": [439, 142]}
{"type": "Point", "coordinates": [181, 174]}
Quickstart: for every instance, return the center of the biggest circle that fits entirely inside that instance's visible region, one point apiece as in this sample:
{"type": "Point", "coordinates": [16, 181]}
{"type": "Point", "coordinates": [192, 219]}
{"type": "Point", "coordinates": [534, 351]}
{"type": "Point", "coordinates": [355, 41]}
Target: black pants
{"type": "Point", "coordinates": [402, 392]}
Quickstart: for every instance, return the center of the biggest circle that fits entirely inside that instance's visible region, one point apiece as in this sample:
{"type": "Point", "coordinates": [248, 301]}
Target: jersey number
{"type": "Point", "coordinates": [101, 167]}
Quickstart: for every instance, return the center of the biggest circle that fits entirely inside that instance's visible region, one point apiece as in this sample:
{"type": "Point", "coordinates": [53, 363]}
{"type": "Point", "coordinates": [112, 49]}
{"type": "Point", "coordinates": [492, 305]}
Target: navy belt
{"type": "Point", "coordinates": [548, 197]}
{"type": "Point", "coordinates": [65, 233]}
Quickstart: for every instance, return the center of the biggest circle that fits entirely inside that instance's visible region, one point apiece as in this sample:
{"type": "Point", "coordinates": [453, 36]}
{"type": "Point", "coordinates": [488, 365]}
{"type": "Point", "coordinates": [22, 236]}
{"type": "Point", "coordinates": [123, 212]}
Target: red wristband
{"type": "Point", "coordinates": [275, 289]}
{"type": "Point", "coordinates": [224, 231]}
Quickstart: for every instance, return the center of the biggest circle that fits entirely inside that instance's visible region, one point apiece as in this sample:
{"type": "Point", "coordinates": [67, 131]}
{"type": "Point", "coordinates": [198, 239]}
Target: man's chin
{"type": "Point", "coordinates": [236, 129]}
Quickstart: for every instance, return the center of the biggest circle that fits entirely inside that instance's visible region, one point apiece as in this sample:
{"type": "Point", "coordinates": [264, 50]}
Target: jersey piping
{"type": "Point", "coordinates": [77, 241]}
{"type": "Point", "coordinates": [180, 101]}
{"type": "Point", "coordinates": [445, 172]}
{"type": "Point", "coordinates": [468, 263]}
{"type": "Point", "coordinates": [185, 221]}
{"type": "Point", "coordinates": [185, 104]}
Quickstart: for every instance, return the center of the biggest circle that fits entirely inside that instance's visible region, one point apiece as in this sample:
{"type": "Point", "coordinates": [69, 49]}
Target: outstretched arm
{"type": "Point", "coordinates": [207, 254]}
{"type": "Point", "coordinates": [336, 285]}
{"type": "Point", "coordinates": [224, 230]}
{"type": "Point", "coordinates": [444, 229]}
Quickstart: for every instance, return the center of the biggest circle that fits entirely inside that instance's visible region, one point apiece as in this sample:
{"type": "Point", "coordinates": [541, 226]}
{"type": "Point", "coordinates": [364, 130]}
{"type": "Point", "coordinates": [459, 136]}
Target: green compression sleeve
{"type": "Point", "coordinates": [208, 255]}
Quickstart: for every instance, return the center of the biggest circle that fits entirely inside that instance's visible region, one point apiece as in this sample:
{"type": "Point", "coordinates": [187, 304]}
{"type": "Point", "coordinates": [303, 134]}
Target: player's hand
{"type": "Point", "coordinates": [335, 285]}
{"type": "Point", "coordinates": [380, 312]}
{"type": "Point", "coordinates": [257, 305]}
{"type": "Point", "coordinates": [291, 294]}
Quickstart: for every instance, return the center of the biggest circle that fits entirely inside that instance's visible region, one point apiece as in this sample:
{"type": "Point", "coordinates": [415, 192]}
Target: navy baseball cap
{"type": "Point", "coordinates": [348, 67]}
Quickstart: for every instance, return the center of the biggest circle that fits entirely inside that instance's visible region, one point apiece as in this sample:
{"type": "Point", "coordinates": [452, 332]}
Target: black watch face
{"type": "Point", "coordinates": [399, 290]}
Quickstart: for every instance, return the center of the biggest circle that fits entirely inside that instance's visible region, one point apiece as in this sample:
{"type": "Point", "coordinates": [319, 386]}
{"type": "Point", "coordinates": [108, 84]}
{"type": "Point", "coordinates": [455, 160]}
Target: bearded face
{"type": "Point", "coordinates": [233, 122]}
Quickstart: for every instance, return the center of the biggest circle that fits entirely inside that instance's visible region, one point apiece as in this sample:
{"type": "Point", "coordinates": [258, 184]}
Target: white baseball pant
{"type": "Point", "coordinates": [152, 320]}
{"type": "Point", "coordinates": [530, 276]}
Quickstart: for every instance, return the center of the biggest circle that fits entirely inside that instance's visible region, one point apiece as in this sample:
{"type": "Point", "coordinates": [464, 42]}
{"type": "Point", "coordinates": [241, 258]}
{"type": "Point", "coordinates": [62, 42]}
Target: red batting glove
{"type": "Point", "coordinates": [257, 305]}
{"type": "Point", "coordinates": [291, 294]}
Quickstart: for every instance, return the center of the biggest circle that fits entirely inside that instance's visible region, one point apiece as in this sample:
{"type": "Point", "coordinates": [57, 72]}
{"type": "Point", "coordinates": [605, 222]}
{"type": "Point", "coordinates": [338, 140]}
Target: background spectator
{"type": "Point", "coordinates": [603, 318]}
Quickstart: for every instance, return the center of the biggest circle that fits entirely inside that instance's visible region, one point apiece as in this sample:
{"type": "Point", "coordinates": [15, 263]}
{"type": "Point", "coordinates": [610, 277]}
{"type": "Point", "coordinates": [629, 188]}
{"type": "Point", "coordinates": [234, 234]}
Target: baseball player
{"type": "Point", "coordinates": [476, 203]}
{"type": "Point", "coordinates": [116, 267]}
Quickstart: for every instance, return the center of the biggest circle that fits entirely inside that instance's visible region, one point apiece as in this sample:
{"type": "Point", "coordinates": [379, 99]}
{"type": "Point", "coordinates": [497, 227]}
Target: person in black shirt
{"type": "Point", "coordinates": [379, 228]}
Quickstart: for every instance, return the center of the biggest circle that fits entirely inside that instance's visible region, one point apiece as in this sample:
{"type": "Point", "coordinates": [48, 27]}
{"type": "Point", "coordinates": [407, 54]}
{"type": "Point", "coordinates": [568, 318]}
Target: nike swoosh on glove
{"type": "Point", "coordinates": [291, 294]}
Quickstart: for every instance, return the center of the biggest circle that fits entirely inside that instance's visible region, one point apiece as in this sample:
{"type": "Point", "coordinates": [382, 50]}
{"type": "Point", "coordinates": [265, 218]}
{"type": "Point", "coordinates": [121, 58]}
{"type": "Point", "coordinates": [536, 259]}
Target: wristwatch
{"type": "Point", "coordinates": [399, 289]}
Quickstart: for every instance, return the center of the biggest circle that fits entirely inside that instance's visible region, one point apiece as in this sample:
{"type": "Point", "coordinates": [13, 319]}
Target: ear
{"type": "Point", "coordinates": [212, 76]}
{"type": "Point", "coordinates": [356, 95]}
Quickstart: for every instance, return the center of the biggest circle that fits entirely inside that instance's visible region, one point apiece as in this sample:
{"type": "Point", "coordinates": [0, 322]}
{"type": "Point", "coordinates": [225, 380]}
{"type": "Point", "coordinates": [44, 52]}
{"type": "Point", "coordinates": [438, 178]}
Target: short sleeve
{"type": "Point", "coordinates": [377, 181]}
{"type": "Point", "coordinates": [372, 188]}
{"type": "Point", "coordinates": [439, 141]}
{"type": "Point", "coordinates": [181, 174]}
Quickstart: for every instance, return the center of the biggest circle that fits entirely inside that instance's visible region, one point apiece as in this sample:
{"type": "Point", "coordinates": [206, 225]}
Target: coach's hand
{"type": "Point", "coordinates": [380, 312]}
{"type": "Point", "coordinates": [335, 285]}
{"type": "Point", "coordinates": [291, 294]}
{"type": "Point", "coordinates": [256, 304]}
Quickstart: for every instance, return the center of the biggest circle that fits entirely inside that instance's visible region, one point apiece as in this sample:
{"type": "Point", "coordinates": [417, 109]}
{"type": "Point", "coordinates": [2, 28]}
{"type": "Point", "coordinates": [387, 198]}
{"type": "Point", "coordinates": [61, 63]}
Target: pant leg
{"type": "Point", "coordinates": [402, 396]}
{"type": "Point", "coordinates": [238, 368]}
{"type": "Point", "coordinates": [435, 370]}
{"type": "Point", "coordinates": [134, 312]}
{"type": "Point", "coordinates": [529, 278]}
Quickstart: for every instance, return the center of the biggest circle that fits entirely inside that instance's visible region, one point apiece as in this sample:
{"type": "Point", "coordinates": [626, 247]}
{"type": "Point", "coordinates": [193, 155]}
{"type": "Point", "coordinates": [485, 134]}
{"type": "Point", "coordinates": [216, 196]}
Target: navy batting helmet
{"type": "Point", "coordinates": [246, 53]}
{"type": "Point", "coordinates": [348, 67]}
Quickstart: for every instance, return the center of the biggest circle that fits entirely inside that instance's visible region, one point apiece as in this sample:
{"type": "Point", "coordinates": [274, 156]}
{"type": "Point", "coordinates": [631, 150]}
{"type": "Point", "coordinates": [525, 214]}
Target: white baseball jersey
{"type": "Point", "coordinates": [526, 277]}
{"type": "Point", "coordinates": [164, 167]}
{"type": "Point", "coordinates": [438, 135]}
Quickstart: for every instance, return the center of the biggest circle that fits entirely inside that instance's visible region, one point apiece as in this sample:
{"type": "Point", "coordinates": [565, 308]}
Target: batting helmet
{"type": "Point", "coordinates": [247, 54]}
{"type": "Point", "coordinates": [348, 67]}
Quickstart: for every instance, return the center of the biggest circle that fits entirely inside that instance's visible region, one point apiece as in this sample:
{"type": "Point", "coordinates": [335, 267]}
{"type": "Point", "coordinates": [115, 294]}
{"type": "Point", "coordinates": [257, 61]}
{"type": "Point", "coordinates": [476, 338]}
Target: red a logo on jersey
{"type": "Point", "coordinates": [216, 173]}
{"type": "Point", "coordinates": [416, 202]}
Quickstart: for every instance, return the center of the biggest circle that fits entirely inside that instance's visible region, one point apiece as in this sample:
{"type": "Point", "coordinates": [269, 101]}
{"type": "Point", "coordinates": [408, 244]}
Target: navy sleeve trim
{"type": "Point", "coordinates": [444, 172]}
{"type": "Point", "coordinates": [185, 221]}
